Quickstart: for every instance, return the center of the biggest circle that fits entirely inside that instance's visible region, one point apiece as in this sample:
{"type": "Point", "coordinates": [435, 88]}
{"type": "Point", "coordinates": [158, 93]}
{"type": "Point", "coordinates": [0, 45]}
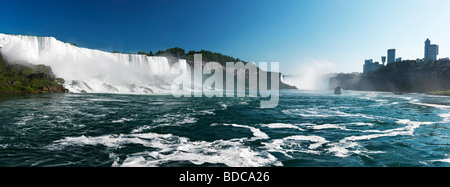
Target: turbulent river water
{"type": "Point", "coordinates": [307, 128]}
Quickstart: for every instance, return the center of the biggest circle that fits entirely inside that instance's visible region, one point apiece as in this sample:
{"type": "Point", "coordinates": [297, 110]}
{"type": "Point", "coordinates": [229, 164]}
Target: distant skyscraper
{"type": "Point", "coordinates": [383, 59]}
{"type": "Point", "coordinates": [391, 56]}
{"type": "Point", "coordinates": [431, 51]}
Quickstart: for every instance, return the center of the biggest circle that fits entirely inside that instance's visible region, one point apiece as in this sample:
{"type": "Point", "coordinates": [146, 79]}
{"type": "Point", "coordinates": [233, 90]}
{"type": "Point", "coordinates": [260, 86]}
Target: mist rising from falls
{"type": "Point", "coordinates": [91, 70]}
{"type": "Point", "coordinates": [311, 76]}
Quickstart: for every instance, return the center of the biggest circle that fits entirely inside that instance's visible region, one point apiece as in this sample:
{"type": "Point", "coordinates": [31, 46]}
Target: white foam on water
{"type": "Point", "coordinates": [384, 103]}
{"type": "Point", "coordinates": [342, 148]}
{"type": "Point", "coordinates": [322, 113]}
{"type": "Point", "coordinates": [207, 112]}
{"type": "Point", "coordinates": [294, 143]}
{"type": "Point", "coordinates": [347, 146]}
{"type": "Point", "coordinates": [433, 105]}
{"type": "Point", "coordinates": [188, 120]}
{"type": "Point", "coordinates": [235, 152]}
{"type": "Point", "coordinates": [106, 140]}
{"type": "Point", "coordinates": [447, 160]}
{"type": "Point", "coordinates": [411, 125]}
{"type": "Point", "coordinates": [311, 112]}
{"type": "Point", "coordinates": [374, 99]}
{"type": "Point", "coordinates": [224, 106]}
{"type": "Point", "coordinates": [175, 119]}
{"type": "Point", "coordinates": [232, 157]}
{"type": "Point", "coordinates": [367, 98]}
{"type": "Point", "coordinates": [230, 153]}
{"type": "Point", "coordinates": [3, 145]}
{"type": "Point", "coordinates": [446, 117]}
{"type": "Point", "coordinates": [282, 126]}
{"type": "Point", "coordinates": [106, 100]}
{"type": "Point", "coordinates": [318, 141]}
{"type": "Point", "coordinates": [122, 120]}
{"type": "Point", "coordinates": [116, 160]}
{"type": "Point", "coordinates": [342, 126]}
{"type": "Point", "coordinates": [361, 124]}
{"type": "Point", "coordinates": [134, 161]}
{"type": "Point", "coordinates": [327, 126]}
{"type": "Point", "coordinates": [24, 120]}
{"type": "Point", "coordinates": [174, 148]}
{"type": "Point", "coordinates": [142, 128]}
{"type": "Point", "coordinates": [257, 133]}
{"type": "Point", "coordinates": [167, 120]}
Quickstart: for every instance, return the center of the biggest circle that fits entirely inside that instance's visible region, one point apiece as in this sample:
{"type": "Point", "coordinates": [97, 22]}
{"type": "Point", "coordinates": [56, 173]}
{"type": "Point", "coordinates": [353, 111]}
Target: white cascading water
{"type": "Point", "coordinates": [93, 71]}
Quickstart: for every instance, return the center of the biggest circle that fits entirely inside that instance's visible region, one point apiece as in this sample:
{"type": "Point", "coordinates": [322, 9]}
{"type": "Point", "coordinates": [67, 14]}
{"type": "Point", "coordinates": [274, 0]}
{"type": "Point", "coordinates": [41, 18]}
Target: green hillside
{"type": "Point", "coordinates": [20, 78]}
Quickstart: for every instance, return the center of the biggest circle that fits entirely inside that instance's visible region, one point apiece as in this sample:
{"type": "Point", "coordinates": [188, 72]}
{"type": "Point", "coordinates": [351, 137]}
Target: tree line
{"type": "Point", "coordinates": [207, 56]}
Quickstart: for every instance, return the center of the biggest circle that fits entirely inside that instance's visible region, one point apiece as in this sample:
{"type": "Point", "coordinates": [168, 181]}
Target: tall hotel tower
{"type": "Point", "coordinates": [431, 51]}
{"type": "Point", "coordinates": [391, 56]}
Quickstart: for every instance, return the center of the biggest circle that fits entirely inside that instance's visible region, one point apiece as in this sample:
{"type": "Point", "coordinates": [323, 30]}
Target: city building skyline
{"type": "Point", "coordinates": [369, 65]}
{"type": "Point", "coordinates": [390, 56]}
{"type": "Point", "coordinates": [431, 51]}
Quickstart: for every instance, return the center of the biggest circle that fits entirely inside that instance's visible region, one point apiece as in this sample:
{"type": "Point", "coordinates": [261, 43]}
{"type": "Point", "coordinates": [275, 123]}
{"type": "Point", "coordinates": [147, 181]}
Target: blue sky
{"type": "Point", "coordinates": [296, 33]}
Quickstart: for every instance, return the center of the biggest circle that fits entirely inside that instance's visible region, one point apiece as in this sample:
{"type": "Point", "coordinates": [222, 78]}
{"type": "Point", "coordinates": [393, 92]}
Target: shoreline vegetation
{"type": "Point", "coordinates": [432, 77]}
{"type": "Point", "coordinates": [28, 78]}
{"type": "Point", "coordinates": [445, 93]}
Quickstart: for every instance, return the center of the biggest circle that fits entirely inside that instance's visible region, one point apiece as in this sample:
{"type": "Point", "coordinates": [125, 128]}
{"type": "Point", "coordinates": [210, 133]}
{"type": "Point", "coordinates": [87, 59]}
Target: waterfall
{"type": "Point", "coordinates": [92, 70]}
